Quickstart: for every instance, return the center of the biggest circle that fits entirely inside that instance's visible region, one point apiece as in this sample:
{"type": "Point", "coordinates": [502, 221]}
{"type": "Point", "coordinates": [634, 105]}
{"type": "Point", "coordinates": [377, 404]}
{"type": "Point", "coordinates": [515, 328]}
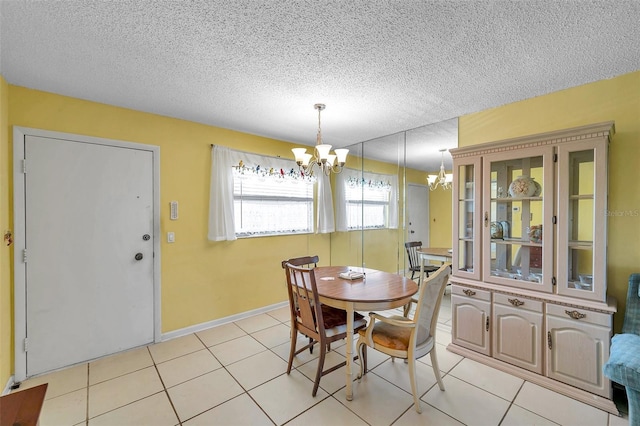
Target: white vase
{"type": "Point", "coordinates": [522, 186]}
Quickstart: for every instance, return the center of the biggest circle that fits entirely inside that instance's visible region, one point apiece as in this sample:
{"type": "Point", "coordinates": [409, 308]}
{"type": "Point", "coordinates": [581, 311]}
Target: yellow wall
{"type": "Point", "coordinates": [6, 294]}
{"type": "Point", "coordinates": [615, 99]}
{"type": "Point", "coordinates": [201, 280]}
{"type": "Point", "coordinates": [440, 216]}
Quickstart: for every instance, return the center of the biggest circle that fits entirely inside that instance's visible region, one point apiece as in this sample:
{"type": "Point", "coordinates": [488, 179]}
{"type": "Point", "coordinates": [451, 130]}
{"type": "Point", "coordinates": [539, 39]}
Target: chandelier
{"type": "Point", "coordinates": [321, 156]}
{"type": "Point", "coordinates": [443, 179]}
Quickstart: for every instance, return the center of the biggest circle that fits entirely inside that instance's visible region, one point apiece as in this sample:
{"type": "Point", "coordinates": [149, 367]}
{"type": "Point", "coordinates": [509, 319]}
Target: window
{"type": "Point", "coordinates": [271, 204]}
{"type": "Point", "coordinates": [367, 203]}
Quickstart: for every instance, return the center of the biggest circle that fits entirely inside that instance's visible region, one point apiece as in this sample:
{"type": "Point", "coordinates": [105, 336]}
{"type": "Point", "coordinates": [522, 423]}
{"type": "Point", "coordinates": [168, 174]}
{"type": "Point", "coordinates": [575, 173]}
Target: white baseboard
{"type": "Point", "coordinates": [205, 325]}
{"type": "Point", "coordinates": [7, 388]}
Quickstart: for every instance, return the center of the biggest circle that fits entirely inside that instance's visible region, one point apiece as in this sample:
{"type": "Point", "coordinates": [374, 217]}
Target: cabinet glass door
{"type": "Point", "coordinates": [517, 218]}
{"type": "Point", "coordinates": [466, 235]}
{"type": "Point", "coordinates": [581, 220]}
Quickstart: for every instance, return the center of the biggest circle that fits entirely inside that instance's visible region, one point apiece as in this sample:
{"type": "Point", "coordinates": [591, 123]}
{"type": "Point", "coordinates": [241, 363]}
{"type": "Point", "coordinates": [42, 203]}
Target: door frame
{"type": "Point", "coordinates": [428, 227]}
{"type": "Point", "coordinates": [19, 212]}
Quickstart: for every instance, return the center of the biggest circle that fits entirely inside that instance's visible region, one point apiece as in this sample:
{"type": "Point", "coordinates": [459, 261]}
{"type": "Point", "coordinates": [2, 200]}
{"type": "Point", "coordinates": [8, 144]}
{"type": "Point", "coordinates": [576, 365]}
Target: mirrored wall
{"type": "Point", "coordinates": [387, 198]}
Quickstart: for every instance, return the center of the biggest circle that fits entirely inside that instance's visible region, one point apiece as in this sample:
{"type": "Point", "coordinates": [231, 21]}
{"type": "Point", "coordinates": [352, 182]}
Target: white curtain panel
{"type": "Point", "coordinates": [326, 222]}
{"type": "Point", "coordinates": [221, 222]}
{"type": "Point", "coordinates": [394, 201]}
{"type": "Point", "coordinates": [341, 198]}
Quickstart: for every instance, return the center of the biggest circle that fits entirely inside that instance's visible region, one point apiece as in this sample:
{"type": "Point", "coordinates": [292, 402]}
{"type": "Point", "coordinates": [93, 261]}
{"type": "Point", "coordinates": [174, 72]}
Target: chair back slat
{"type": "Point", "coordinates": [412, 252]}
{"type": "Point", "coordinates": [301, 285]}
{"type": "Point", "coordinates": [429, 299]}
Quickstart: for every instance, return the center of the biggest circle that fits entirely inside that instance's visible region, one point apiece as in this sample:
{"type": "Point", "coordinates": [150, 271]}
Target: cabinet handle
{"type": "Point", "coordinates": [516, 302]}
{"type": "Point", "coordinates": [549, 339]}
{"type": "Point", "coordinates": [469, 292]}
{"type": "Point", "coordinates": [487, 324]}
{"type": "Point", "coordinates": [575, 314]}
{"type": "Point", "coordinates": [486, 219]}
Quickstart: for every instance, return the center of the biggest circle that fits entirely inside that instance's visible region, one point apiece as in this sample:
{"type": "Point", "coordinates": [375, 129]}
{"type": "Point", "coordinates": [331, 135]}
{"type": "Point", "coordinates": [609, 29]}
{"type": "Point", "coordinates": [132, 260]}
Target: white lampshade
{"type": "Point", "coordinates": [431, 178]}
{"type": "Point", "coordinates": [305, 159]}
{"type": "Point", "coordinates": [341, 153]}
{"type": "Point", "coordinates": [331, 158]}
{"type": "Point", "coordinates": [323, 151]}
{"type": "Point", "coordinates": [298, 153]}
{"type": "Point", "coordinates": [448, 177]}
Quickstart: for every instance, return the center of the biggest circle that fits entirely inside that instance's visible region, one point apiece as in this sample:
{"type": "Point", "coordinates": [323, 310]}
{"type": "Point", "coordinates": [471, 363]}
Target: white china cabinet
{"type": "Point", "coordinates": [529, 292]}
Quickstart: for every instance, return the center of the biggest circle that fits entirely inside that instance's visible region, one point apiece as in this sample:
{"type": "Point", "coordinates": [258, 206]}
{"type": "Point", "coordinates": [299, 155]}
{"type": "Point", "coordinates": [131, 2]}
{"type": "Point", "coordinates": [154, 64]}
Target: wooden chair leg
{"type": "Point", "coordinates": [414, 389]}
{"type": "Point", "coordinates": [436, 368]}
{"type": "Point", "coordinates": [292, 351]}
{"type": "Point", "coordinates": [323, 351]}
{"type": "Point", "coordinates": [362, 353]}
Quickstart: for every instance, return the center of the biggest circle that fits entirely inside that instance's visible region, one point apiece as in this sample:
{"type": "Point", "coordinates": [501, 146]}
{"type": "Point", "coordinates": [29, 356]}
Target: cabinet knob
{"type": "Point", "coordinates": [469, 292]}
{"type": "Point", "coordinates": [516, 302]}
{"type": "Point", "coordinates": [575, 314]}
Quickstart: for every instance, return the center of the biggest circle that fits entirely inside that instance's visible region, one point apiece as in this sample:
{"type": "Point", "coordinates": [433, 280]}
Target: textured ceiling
{"type": "Point", "coordinates": [258, 66]}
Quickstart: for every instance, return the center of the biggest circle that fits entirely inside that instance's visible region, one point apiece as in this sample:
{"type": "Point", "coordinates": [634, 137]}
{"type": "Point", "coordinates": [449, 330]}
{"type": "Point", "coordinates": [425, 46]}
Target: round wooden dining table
{"type": "Point", "coordinates": [375, 291]}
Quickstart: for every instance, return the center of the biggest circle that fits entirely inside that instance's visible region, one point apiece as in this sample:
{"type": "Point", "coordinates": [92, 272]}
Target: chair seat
{"type": "Point", "coordinates": [624, 361]}
{"type": "Point", "coordinates": [334, 317]}
{"type": "Point", "coordinates": [427, 268]}
{"type": "Point", "coordinates": [389, 335]}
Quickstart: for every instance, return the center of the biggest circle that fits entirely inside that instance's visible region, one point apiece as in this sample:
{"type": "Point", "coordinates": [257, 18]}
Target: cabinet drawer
{"type": "Point", "coordinates": [518, 302]}
{"type": "Point", "coordinates": [579, 314]}
{"type": "Point", "coordinates": [471, 292]}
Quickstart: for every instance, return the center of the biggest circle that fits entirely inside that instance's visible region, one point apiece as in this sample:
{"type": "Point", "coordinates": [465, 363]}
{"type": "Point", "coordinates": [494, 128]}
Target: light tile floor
{"type": "Point", "coordinates": [235, 374]}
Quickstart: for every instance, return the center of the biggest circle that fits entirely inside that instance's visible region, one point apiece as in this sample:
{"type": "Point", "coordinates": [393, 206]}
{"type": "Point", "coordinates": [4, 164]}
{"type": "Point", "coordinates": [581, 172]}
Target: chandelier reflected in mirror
{"type": "Point", "coordinates": [442, 179]}
{"type": "Point", "coordinates": [321, 157]}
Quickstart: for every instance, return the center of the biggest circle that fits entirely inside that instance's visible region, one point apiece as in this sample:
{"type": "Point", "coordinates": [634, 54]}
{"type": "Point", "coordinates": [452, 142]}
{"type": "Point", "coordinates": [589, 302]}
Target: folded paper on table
{"type": "Point", "coordinates": [351, 275]}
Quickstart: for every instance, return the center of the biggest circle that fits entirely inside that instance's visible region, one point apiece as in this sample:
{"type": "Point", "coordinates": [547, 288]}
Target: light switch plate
{"type": "Point", "coordinates": [174, 210]}
{"type": "Point", "coordinates": [171, 237]}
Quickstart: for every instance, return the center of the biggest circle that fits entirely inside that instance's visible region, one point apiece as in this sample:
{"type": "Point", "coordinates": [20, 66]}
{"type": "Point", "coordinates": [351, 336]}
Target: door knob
{"type": "Point", "coordinates": [139, 256]}
{"type": "Point", "coordinates": [413, 232]}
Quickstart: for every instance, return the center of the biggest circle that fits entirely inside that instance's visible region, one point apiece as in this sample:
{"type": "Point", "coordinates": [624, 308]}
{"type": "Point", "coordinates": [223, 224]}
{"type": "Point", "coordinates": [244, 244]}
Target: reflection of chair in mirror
{"type": "Point", "coordinates": [322, 324]}
{"type": "Point", "coordinates": [412, 248]}
{"type": "Point", "coordinates": [409, 338]}
{"type": "Point", "coordinates": [623, 365]}
{"type": "Point", "coordinates": [535, 257]}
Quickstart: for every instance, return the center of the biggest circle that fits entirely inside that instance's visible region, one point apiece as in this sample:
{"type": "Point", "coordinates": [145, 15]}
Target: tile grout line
{"type": "Point", "coordinates": [164, 387]}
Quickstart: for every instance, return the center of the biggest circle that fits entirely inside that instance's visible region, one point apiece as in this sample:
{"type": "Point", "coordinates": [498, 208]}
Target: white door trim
{"type": "Point", "coordinates": [19, 276]}
{"type": "Point", "coordinates": [425, 241]}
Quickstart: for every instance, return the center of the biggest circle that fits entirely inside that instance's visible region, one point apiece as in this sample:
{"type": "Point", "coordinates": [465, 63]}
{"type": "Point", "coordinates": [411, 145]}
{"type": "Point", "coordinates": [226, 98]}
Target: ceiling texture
{"type": "Point", "coordinates": [259, 66]}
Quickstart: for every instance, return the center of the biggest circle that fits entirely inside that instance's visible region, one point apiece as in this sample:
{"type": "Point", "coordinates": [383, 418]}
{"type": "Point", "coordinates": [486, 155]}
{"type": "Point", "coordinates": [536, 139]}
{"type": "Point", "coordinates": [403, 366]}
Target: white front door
{"type": "Point", "coordinates": [418, 213]}
{"type": "Point", "coordinates": [89, 239]}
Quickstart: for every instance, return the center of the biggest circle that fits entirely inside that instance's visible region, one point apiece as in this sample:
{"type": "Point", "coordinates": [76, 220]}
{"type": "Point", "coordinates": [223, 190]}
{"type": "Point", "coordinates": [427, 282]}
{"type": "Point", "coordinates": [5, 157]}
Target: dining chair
{"type": "Point", "coordinates": [307, 261]}
{"type": "Point", "coordinates": [412, 248]}
{"type": "Point", "coordinates": [322, 324]}
{"type": "Point", "coordinates": [409, 338]}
